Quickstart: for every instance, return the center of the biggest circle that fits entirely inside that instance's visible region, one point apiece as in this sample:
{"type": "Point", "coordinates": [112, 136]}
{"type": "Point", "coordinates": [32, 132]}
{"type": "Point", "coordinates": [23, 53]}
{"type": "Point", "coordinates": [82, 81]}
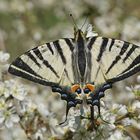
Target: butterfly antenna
{"type": "Point", "coordinates": [73, 20]}
{"type": "Point", "coordinates": [84, 22]}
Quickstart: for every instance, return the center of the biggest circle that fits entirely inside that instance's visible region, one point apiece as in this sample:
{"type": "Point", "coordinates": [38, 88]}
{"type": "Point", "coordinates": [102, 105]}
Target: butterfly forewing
{"type": "Point", "coordinates": [113, 60]}
{"type": "Point", "coordinates": [48, 64]}
{"type": "Point", "coordinates": [52, 63]}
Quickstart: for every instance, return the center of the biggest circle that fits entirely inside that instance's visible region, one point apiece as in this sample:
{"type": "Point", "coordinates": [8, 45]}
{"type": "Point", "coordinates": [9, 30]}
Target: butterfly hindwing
{"type": "Point", "coordinates": [113, 59]}
{"type": "Point", "coordinates": [49, 64]}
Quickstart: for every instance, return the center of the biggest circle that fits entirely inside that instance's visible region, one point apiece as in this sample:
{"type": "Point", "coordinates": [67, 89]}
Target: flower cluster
{"type": "Point", "coordinates": [10, 91]}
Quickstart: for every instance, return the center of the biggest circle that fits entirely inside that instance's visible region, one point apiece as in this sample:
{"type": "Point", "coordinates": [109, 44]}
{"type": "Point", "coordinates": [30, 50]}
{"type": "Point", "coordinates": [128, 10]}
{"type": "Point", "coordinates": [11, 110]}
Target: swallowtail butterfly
{"type": "Point", "coordinates": [81, 69]}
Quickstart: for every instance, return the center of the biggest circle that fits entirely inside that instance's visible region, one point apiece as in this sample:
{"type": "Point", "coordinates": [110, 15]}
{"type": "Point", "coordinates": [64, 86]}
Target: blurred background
{"type": "Point", "coordinates": [25, 24]}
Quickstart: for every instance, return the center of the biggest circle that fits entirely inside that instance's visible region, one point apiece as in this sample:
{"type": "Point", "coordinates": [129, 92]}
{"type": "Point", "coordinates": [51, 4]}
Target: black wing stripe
{"type": "Point", "coordinates": [135, 62]}
{"type": "Point", "coordinates": [60, 51]}
{"type": "Point", "coordinates": [102, 48]}
{"type": "Point", "coordinates": [50, 48]}
{"type": "Point", "coordinates": [113, 63]}
{"type": "Point", "coordinates": [130, 52]}
{"type": "Point", "coordinates": [125, 75]}
{"type": "Point", "coordinates": [38, 53]}
{"type": "Point", "coordinates": [93, 39]}
{"type": "Point", "coordinates": [51, 68]}
{"type": "Point", "coordinates": [118, 57]}
{"type": "Point", "coordinates": [32, 58]}
{"type": "Point", "coordinates": [112, 43]}
{"type": "Point", "coordinates": [69, 43]}
{"type": "Point", "coordinates": [45, 62]}
{"type": "Point", "coordinates": [19, 63]}
{"type": "Point", "coordinates": [124, 48]}
{"type": "Point", "coordinates": [33, 78]}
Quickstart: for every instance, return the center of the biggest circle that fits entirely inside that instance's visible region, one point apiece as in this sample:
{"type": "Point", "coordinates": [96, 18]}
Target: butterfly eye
{"type": "Point", "coordinates": [75, 88]}
{"type": "Point", "coordinates": [86, 90]}
{"type": "Point", "coordinates": [78, 90]}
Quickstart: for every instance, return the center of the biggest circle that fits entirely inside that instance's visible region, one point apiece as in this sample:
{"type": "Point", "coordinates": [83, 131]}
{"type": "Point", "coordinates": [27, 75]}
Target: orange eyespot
{"type": "Point", "coordinates": [74, 87]}
{"type": "Point", "coordinates": [90, 86]}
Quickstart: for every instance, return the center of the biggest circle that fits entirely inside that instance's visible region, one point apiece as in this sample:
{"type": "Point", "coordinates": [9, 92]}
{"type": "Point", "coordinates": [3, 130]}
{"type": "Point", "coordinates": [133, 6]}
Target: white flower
{"type": "Point", "coordinates": [118, 135]}
{"type": "Point", "coordinates": [4, 56]}
{"type": "Point", "coordinates": [8, 117]}
{"type": "Point", "coordinates": [111, 126]}
{"type": "Point", "coordinates": [135, 90]}
{"type": "Point", "coordinates": [27, 106]}
{"type": "Point", "coordinates": [10, 120]}
{"type": "Point", "coordinates": [31, 107]}
{"type": "Point", "coordinates": [3, 105]}
{"type": "Point", "coordinates": [127, 121]}
{"type": "Point", "coordinates": [90, 31]}
{"type": "Point", "coordinates": [119, 109]}
{"type": "Point", "coordinates": [4, 91]}
{"type": "Point", "coordinates": [83, 134]}
{"type": "Point", "coordinates": [11, 87]}
{"type": "Point", "coordinates": [73, 123]}
{"type": "Point", "coordinates": [136, 123]}
{"type": "Point", "coordinates": [136, 105]}
{"type": "Point", "coordinates": [16, 90]}
{"type": "Point", "coordinates": [115, 106]}
{"type": "Point", "coordinates": [109, 117]}
{"type": "Point", "coordinates": [122, 110]}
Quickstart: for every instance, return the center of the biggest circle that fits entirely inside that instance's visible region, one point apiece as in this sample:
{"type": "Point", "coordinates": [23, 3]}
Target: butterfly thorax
{"type": "Point", "coordinates": [81, 67]}
{"type": "Point", "coordinates": [80, 59]}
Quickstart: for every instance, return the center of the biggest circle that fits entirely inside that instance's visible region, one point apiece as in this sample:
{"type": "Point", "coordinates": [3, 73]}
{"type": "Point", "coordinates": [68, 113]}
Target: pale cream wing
{"type": "Point", "coordinates": [49, 64]}
{"type": "Point", "coordinates": [113, 60]}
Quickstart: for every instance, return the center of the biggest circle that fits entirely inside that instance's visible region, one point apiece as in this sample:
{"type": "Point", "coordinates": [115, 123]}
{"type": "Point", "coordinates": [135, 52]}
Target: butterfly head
{"type": "Point", "coordinates": [78, 34]}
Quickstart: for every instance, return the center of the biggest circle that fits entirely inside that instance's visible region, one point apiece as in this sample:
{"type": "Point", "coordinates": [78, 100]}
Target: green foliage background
{"type": "Point", "coordinates": [27, 23]}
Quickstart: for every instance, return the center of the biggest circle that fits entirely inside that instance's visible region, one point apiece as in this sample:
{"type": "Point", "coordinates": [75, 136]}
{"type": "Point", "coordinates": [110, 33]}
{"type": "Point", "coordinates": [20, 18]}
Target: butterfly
{"type": "Point", "coordinates": [80, 68]}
